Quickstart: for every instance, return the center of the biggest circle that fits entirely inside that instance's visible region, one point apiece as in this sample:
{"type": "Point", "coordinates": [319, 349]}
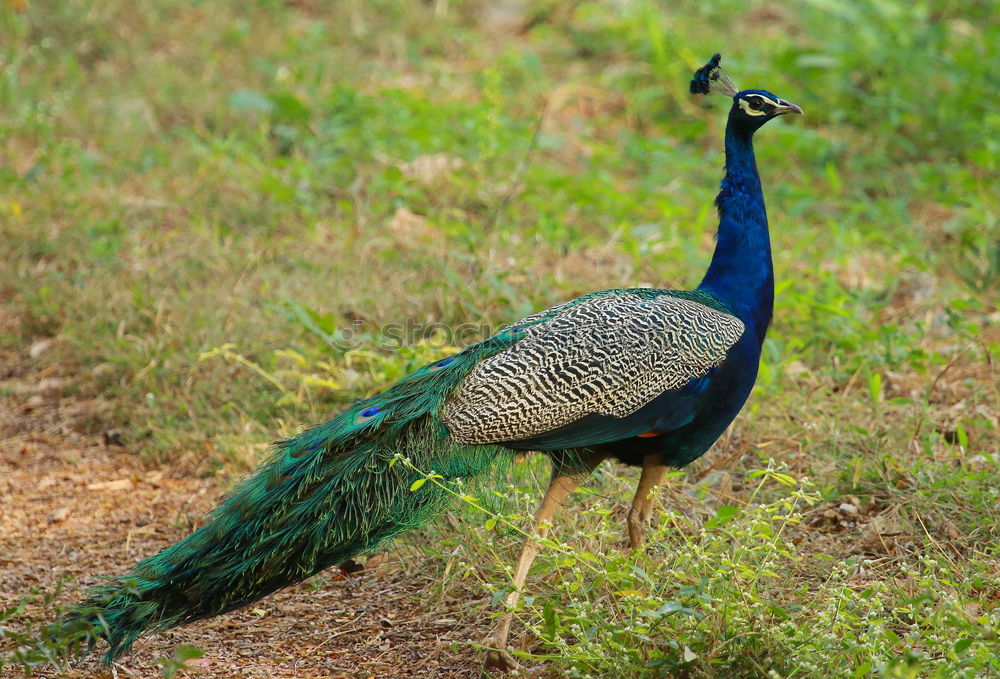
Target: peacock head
{"type": "Point", "coordinates": [751, 108]}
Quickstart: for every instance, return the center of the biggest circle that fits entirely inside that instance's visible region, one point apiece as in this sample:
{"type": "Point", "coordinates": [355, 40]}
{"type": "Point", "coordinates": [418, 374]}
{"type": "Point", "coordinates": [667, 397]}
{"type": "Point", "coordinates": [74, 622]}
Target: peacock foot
{"type": "Point", "coordinates": [497, 660]}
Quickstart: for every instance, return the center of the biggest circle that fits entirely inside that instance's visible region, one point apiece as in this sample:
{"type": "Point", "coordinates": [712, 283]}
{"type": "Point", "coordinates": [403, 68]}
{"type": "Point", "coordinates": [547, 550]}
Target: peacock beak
{"type": "Point", "coordinates": [786, 107]}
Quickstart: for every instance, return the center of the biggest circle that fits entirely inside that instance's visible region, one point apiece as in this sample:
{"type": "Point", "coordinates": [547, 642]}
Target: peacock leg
{"type": "Point", "coordinates": [562, 483]}
{"type": "Point", "coordinates": [653, 472]}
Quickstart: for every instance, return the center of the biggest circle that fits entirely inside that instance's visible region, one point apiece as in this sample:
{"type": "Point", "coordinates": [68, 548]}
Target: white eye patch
{"type": "Point", "coordinates": [745, 105]}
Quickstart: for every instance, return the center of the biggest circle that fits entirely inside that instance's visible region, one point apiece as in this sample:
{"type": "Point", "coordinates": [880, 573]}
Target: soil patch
{"type": "Point", "coordinates": [77, 505]}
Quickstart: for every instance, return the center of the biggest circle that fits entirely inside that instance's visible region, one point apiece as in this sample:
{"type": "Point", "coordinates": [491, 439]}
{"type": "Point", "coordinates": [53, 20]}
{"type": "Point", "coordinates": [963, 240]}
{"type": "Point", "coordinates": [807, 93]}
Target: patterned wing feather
{"type": "Point", "coordinates": [606, 354]}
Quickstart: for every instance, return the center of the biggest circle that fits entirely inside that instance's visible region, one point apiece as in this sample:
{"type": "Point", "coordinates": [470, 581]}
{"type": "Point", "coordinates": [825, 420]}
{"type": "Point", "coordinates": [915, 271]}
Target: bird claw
{"type": "Point", "coordinates": [498, 660]}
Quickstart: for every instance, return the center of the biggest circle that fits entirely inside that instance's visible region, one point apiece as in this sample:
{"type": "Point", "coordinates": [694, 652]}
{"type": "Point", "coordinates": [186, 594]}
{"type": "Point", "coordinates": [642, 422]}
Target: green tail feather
{"type": "Point", "coordinates": [324, 496]}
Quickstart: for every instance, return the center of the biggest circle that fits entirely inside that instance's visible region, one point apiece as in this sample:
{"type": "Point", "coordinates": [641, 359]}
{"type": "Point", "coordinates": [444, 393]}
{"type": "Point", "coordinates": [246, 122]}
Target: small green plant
{"type": "Point", "coordinates": [169, 667]}
{"type": "Point", "coordinates": [702, 595]}
{"type": "Point", "coordinates": [32, 648]}
{"type": "Point", "coordinates": [732, 596]}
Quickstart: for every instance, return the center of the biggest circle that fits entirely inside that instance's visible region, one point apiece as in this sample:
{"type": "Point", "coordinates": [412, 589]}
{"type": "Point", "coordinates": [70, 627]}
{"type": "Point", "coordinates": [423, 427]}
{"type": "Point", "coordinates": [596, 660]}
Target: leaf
{"type": "Point", "coordinates": [963, 436]}
{"type": "Point", "coordinates": [392, 174]}
{"type": "Point", "coordinates": [961, 645]}
{"type": "Point", "coordinates": [778, 611]}
{"type": "Point", "coordinates": [641, 573]}
{"type": "Point", "coordinates": [669, 607]}
{"type": "Point", "coordinates": [250, 101]}
{"type": "Point", "coordinates": [783, 478]}
{"type": "Point", "coordinates": [857, 463]}
{"type": "Point", "coordinates": [549, 618]}
{"type": "Point", "coordinates": [313, 381]}
{"type": "Point", "coordinates": [416, 484]}
{"type": "Point", "coordinates": [875, 387]}
{"type": "Point", "coordinates": [723, 515]}
{"type": "Point", "coordinates": [292, 355]}
{"type": "Point", "coordinates": [323, 325]}
{"type": "Point", "coordinates": [862, 671]}
{"type": "Point", "coordinates": [289, 108]}
{"type": "Point", "coordinates": [180, 657]}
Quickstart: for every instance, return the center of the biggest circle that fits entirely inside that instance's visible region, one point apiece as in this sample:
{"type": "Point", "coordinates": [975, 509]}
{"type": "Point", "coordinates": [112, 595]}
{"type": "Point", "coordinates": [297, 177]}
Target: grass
{"type": "Point", "coordinates": [321, 189]}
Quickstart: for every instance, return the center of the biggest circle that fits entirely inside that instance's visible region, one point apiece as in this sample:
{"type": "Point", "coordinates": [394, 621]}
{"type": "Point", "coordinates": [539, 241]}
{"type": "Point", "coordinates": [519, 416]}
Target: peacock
{"type": "Point", "coordinates": [650, 377]}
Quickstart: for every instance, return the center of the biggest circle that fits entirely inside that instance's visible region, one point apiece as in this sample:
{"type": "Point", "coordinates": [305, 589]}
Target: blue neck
{"type": "Point", "coordinates": [741, 274]}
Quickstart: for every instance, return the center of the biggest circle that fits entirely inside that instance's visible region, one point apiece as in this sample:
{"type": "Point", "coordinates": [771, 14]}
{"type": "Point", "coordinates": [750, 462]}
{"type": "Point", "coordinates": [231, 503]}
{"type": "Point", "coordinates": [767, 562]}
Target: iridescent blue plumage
{"type": "Point", "coordinates": [703, 77]}
{"type": "Point", "coordinates": [651, 377]}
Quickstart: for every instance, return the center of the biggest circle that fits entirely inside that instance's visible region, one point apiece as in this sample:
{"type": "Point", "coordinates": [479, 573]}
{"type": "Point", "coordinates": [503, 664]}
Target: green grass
{"type": "Point", "coordinates": [180, 176]}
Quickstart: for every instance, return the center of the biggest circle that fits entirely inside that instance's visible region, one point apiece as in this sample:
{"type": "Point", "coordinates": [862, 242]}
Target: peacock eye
{"type": "Point", "coordinates": [756, 103]}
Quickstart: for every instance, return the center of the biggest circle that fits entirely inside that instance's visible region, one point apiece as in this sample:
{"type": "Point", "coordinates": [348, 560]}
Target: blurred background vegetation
{"type": "Point", "coordinates": [180, 176]}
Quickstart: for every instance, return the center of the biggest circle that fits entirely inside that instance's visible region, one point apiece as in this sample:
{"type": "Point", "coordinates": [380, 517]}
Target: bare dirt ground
{"type": "Point", "coordinates": [73, 505]}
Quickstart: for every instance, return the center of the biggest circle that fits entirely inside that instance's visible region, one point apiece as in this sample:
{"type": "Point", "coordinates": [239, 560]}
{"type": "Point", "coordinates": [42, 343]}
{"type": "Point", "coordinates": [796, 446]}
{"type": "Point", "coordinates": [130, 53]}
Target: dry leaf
{"type": "Point", "coordinates": [117, 484]}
